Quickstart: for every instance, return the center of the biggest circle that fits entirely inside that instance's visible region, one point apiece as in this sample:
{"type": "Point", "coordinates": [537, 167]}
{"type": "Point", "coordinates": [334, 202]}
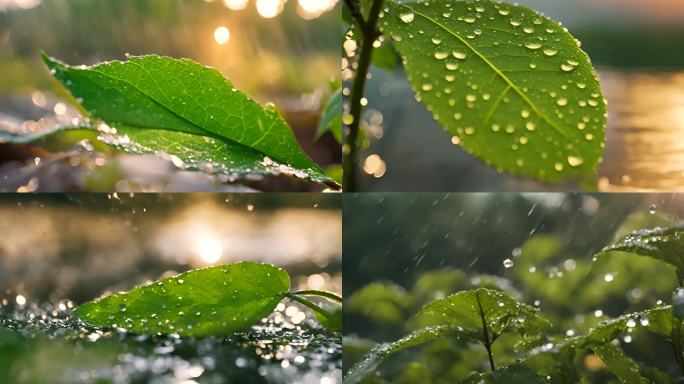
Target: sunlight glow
{"type": "Point", "coordinates": [221, 35]}
{"type": "Point", "coordinates": [269, 8]}
{"type": "Point", "coordinates": [374, 165]}
{"type": "Point", "coordinates": [18, 4]}
{"type": "Point", "coordinates": [236, 5]}
{"type": "Point", "coordinates": [310, 9]}
{"type": "Point", "coordinates": [208, 248]}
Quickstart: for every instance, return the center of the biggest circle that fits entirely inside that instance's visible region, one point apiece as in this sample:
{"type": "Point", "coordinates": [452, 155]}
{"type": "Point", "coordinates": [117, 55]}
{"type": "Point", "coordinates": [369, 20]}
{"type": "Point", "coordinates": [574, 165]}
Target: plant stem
{"type": "Point", "coordinates": [310, 304]}
{"type": "Point", "coordinates": [327, 295]}
{"type": "Point", "coordinates": [369, 33]}
{"type": "Point", "coordinates": [487, 342]}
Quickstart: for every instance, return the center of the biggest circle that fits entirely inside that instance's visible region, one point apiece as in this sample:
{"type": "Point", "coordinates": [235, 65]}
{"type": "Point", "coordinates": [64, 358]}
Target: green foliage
{"type": "Point", "coordinates": [510, 83]}
{"type": "Point", "coordinates": [384, 303]}
{"type": "Point", "coordinates": [331, 121]}
{"type": "Point", "coordinates": [577, 294]}
{"type": "Point", "coordinates": [154, 104]}
{"type": "Point", "coordinates": [481, 315]}
{"type": "Point", "coordinates": [219, 300]}
{"type": "Point", "coordinates": [664, 244]}
{"type": "Point", "coordinates": [482, 311]}
{"type": "Point", "coordinates": [384, 56]}
{"type": "Point", "coordinates": [379, 353]}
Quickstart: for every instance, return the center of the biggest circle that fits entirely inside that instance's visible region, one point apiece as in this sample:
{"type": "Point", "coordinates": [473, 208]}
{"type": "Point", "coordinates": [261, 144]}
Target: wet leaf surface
{"type": "Point", "coordinates": [511, 85]}
{"type": "Point", "coordinates": [211, 301]}
{"type": "Point", "coordinates": [476, 309]}
{"type": "Point", "coordinates": [664, 244]}
{"type": "Point", "coordinates": [192, 104]}
{"type": "Point", "coordinates": [380, 352]}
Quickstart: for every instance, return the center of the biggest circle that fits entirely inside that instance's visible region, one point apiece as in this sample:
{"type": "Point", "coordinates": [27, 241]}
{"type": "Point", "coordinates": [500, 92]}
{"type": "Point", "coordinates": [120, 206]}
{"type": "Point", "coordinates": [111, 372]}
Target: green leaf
{"type": "Point", "coordinates": [510, 83]}
{"type": "Point", "coordinates": [617, 362]}
{"type": "Point", "coordinates": [513, 374]}
{"type": "Point", "coordinates": [476, 309]}
{"type": "Point", "coordinates": [384, 303]}
{"type": "Point", "coordinates": [219, 300]}
{"type": "Point", "coordinates": [664, 244]}
{"type": "Point", "coordinates": [165, 94]}
{"type": "Point", "coordinates": [657, 320]}
{"type": "Point", "coordinates": [332, 117]}
{"type": "Point", "coordinates": [557, 360]}
{"type": "Point", "coordinates": [384, 56]}
{"type": "Point", "coordinates": [382, 351]}
{"type": "Point", "coordinates": [333, 322]}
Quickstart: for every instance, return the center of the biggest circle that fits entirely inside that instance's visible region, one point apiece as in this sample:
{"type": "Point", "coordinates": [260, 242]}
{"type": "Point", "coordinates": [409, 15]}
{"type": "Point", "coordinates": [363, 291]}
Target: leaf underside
{"type": "Point", "coordinates": [511, 85]}
{"type": "Point", "coordinates": [217, 301]}
{"type": "Point", "coordinates": [160, 104]}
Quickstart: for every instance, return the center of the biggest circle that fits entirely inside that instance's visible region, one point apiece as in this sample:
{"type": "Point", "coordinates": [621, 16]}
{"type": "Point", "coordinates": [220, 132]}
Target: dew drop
{"type": "Point", "coordinates": [575, 161]}
{"type": "Point", "coordinates": [441, 55]}
{"type": "Point", "coordinates": [459, 55]}
{"type": "Point", "coordinates": [407, 17]}
{"type": "Point", "coordinates": [567, 67]}
{"type": "Point", "coordinates": [550, 52]}
{"type": "Point", "coordinates": [562, 101]}
{"type": "Point", "coordinates": [533, 44]}
{"type": "Point", "coordinates": [452, 66]}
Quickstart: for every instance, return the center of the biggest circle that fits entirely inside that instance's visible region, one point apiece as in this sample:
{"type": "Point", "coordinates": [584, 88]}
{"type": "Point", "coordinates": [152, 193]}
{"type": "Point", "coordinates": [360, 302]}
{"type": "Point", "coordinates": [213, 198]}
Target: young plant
{"type": "Point", "coordinates": [480, 316]}
{"type": "Point", "coordinates": [510, 85]}
{"type": "Point", "coordinates": [186, 111]}
{"type": "Point", "coordinates": [215, 301]}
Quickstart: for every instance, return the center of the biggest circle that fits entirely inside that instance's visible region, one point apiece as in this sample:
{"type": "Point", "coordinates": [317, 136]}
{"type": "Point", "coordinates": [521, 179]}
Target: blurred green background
{"type": "Point", "coordinates": [285, 52]}
{"type": "Point", "coordinates": [401, 251]}
{"type": "Point", "coordinates": [637, 48]}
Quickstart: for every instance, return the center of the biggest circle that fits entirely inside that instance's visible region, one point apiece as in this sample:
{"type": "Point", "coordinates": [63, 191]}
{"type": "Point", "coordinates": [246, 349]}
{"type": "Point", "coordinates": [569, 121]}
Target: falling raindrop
{"type": "Point", "coordinates": [653, 209]}
{"type": "Point", "coordinates": [508, 263]}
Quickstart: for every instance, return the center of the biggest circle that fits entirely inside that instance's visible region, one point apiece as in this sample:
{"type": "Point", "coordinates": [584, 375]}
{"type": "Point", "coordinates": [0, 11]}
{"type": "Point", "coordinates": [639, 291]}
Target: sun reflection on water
{"type": "Point", "coordinates": [644, 150]}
